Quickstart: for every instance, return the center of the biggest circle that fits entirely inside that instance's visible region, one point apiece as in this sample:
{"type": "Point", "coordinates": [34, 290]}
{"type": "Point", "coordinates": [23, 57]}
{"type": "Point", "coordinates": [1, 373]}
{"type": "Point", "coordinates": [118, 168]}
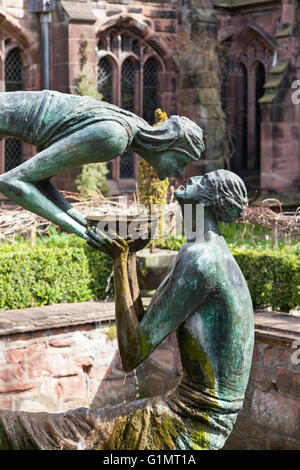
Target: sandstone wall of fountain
{"type": "Point", "coordinates": [60, 357]}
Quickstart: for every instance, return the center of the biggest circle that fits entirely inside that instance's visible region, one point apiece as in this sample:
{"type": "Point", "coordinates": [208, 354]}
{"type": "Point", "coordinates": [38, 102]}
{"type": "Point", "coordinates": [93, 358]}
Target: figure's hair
{"type": "Point", "coordinates": [226, 193]}
{"type": "Point", "coordinates": [177, 133]}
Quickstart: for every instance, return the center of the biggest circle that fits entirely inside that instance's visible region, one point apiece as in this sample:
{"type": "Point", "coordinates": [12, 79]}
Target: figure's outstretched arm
{"type": "Point", "coordinates": [134, 286]}
{"type": "Point", "coordinates": [183, 292]}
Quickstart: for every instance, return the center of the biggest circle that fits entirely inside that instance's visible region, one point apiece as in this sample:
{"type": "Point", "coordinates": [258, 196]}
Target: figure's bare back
{"type": "Point", "coordinates": [100, 142]}
{"type": "Point", "coordinates": [216, 356]}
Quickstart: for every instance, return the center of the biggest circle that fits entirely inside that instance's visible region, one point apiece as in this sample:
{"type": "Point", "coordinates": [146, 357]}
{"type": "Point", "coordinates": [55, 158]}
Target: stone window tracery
{"type": "Point", "coordinates": [128, 76]}
{"type": "Point", "coordinates": [250, 57]}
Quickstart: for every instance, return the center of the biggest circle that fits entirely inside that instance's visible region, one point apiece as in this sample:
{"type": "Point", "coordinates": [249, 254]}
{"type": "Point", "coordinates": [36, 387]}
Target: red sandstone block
{"type": "Point", "coordinates": [84, 361]}
{"type": "Point", "coordinates": [162, 359]}
{"type": "Point", "coordinates": [288, 382]}
{"type": "Point", "coordinates": [72, 386]}
{"type": "Point", "coordinates": [17, 387]}
{"type": "Point", "coordinates": [6, 403]}
{"type": "Point", "coordinates": [75, 31]}
{"type": "Point", "coordinates": [15, 355]}
{"type": "Point", "coordinates": [62, 342]}
{"type": "Point", "coordinates": [100, 373]}
{"type": "Point", "coordinates": [261, 376]}
{"type": "Point", "coordinates": [60, 51]}
{"type": "Point", "coordinates": [57, 365]}
{"type": "Point", "coordinates": [154, 384]}
{"type": "Point", "coordinates": [274, 356]}
{"type": "Point", "coordinates": [275, 411]}
{"type": "Point", "coordinates": [60, 31]}
{"type": "Point", "coordinates": [74, 54]}
{"type": "Point", "coordinates": [6, 375]}
{"type": "Point", "coordinates": [35, 348]}
{"type": "Point", "coordinates": [256, 354]}
{"type": "Point", "coordinates": [19, 372]}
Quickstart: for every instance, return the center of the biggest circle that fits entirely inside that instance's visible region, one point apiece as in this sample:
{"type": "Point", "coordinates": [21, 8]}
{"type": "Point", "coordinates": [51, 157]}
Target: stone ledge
{"type": "Point", "coordinates": [54, 316]}
{"type": "Point", "coordinates": [270, 327]}
{"type": "Point", "coordinates": [277, 328]}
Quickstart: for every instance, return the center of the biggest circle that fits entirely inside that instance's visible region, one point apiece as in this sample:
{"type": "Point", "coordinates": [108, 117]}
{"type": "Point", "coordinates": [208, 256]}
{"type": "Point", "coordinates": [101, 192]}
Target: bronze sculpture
{"type": "Point", "coordinates": [69, 131]}
{"type": "Point", "coordinates": [204, 299]}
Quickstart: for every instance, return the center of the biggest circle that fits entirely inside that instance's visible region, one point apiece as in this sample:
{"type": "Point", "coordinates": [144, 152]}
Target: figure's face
{"type": "Point", "coordinates": [192, 191]}
{"type": "Point", "coordinates": [171, 163]}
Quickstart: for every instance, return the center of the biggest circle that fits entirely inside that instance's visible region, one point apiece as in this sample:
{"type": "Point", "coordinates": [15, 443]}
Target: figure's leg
{"type": "Point", "coordinates": [50, 191]}
{"type": "Point", "coordinates": [28, 196]}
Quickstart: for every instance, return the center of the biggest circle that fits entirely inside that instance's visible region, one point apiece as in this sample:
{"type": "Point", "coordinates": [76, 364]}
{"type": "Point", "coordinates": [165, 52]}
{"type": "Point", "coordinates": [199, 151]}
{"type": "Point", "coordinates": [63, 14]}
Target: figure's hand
{"type": "Point", "coordinates": [113, 245]}
{"type": "Point", "coordinates": [137, 245]}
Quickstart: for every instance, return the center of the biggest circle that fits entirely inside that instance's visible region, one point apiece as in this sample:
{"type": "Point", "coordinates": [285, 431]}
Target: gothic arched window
{"type": "Point", "coordinates": [128, 76]}
{"type": "Point", "coordinates": [13, 82]}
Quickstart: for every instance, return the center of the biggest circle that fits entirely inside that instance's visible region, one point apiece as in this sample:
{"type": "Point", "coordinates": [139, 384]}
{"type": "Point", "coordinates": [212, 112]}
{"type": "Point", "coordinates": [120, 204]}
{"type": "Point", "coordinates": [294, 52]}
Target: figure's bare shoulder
{"type": "Point", "coordinates": [200, 259]}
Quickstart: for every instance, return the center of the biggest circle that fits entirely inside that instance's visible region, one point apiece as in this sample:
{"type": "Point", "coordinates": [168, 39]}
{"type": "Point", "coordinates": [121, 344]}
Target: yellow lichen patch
{"type": "Point", "coordinates": [169, 428]}
{"type": "Point", "coordinates": [111, 333]}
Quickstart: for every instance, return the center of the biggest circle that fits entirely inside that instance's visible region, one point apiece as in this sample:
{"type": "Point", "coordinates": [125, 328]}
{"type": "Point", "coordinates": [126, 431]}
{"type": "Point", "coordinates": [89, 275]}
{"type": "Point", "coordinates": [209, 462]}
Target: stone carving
{"type": "Point", "coordinates": [204, 299]}
{"type": "Point", "coordinates": [69, 131]}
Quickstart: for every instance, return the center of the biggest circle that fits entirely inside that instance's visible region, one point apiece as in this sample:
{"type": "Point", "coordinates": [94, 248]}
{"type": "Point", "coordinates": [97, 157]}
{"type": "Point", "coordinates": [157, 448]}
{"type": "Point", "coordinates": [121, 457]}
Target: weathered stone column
{"type": "Point", "coordinates": [200, 81]}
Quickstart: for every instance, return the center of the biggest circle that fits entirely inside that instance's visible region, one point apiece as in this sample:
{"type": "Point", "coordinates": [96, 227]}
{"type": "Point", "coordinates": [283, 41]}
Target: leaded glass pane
{"type": "Point", "coordinates": [127, 165]}
{"type": "Point", "coordinates": [150, 97]}
{"type": "Point", "coordinates": [13, 71]}
{"type": "Point", "coordinates": [127, 102]}
{"type": "Point", "coordinates": [127, 85]}
{"type": "Point", "coordinates": [13, 153]}
{"type": "Point", "coordinates": [105, 79]}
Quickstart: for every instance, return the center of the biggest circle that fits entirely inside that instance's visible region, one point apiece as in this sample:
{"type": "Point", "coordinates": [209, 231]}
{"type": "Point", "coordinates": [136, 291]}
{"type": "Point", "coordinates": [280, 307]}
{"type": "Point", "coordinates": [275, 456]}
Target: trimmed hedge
{"type": "Point", "coordinates": [31, 277]}
{"type": "Point", "coordinates": [273, 276]}
{"type": "Point", "coordinates": [65, 269]}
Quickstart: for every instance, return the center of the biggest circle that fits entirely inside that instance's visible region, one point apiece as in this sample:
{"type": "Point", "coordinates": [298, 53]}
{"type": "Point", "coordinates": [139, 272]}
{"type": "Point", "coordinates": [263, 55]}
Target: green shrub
{"type": "Point", "coordinates": [62, 268]}
{"type": "Point", "coordinates": [273, 276]}
{"type": "Point", "coordinates": [49, 274]}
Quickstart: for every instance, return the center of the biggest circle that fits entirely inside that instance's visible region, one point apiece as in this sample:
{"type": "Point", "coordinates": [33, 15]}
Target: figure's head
{"type": "Point", "coordinates": [169, 163]}
{"type": "Point", "coordinates": [170, 146]}
{"type": "Point", "coordinates": [221, 190]}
